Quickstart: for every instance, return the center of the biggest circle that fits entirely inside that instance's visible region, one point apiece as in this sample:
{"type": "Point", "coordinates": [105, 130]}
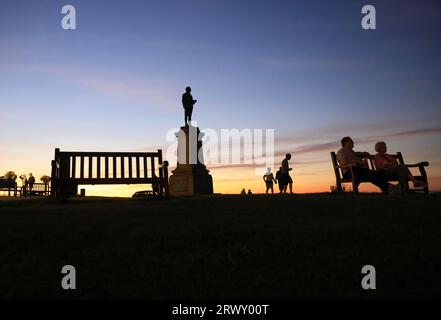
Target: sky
{"type": "Point", "coordinates": [306, 69]}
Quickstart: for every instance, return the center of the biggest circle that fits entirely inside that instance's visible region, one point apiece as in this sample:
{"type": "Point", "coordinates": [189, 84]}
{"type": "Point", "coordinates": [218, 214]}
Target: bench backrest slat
{"type": "Point", "coordinates": [335, 165]}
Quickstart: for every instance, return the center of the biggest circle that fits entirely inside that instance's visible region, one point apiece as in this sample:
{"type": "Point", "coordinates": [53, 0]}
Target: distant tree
{"type": "Point", "coordinates": [10, 176]}
{"type": "Point", "coordinates": [45, 179]}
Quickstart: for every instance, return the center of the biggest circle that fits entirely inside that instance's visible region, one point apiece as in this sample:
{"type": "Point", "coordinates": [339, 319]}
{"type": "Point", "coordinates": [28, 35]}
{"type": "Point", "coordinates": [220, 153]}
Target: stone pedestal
{"type": "Point", "coordinates": [190, 176]}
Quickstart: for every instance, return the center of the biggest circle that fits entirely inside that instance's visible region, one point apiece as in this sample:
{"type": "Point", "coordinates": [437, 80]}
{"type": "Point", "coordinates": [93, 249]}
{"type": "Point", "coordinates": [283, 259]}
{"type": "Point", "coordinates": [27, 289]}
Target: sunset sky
{"type": "Point", "coordinates": [303, 68]}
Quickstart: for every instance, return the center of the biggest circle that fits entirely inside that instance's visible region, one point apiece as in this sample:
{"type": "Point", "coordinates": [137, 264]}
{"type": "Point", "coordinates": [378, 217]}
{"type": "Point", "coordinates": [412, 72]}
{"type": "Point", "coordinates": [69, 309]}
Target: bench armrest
{"type": "Point", "coordinates": [345, 166]}
{"type": "Point", "coordinates": [420, 164]}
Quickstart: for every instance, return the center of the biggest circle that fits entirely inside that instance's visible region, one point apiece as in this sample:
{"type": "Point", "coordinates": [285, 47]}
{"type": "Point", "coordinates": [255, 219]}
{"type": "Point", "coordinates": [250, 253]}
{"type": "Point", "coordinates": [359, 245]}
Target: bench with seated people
{"type": "Point", "coordinates": [358, 167]}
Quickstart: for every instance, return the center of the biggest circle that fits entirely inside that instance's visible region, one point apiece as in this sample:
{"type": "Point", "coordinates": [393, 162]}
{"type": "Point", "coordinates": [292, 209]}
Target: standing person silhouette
{"type": "Point", "coordinates": [269, 178]}
{"type": "Point", "coordinates": [286, 178]}
{"type": "Point", "coordinates": [31, 182]}
{"type": "Point", "coordinates": [279, 179]}
{"type": "Point", "coordinates": [187, 103]}
{"type": "Point", "coordinates": [24, 185]}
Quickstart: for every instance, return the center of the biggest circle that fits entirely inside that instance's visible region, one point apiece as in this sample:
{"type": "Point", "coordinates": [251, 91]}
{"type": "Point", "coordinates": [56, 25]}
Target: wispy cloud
{"type": "Point", "coordinates": [420, 131]}
{"type": "Point", "coordinates": [398, 12]}
{"type": "Point", "coordinates": [328, 146]}
{"type": "Point", "coordinates": [311, 148]}
{"type": "Point", "coordinates": [332, 145]}
{"type": "Point", "coordinates": [293, 63]}
{"type": "Point", "coordinates": [116, 84]}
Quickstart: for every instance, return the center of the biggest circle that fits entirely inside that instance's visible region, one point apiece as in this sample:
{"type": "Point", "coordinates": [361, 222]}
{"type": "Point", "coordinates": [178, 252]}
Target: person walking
{"type": "Point", "coordinates": [279, 179]}
{"type": "Point", "coordinates": [286, 178]}
{"type": "Point", "coordinates": [268, 177]}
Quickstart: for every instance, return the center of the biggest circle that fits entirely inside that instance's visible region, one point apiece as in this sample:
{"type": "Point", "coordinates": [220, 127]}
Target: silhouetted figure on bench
{"type": "Point", "coordinates": [347, 158]}
{"type": "Point", "coordinates": [387, 163]}
{"type": "Point", "coordinates": [187, 103]}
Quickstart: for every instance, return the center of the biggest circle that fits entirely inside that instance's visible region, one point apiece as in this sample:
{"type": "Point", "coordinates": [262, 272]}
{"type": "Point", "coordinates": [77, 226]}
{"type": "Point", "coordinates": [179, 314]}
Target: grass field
{"type": "Point", "coordinates": [276, 247]}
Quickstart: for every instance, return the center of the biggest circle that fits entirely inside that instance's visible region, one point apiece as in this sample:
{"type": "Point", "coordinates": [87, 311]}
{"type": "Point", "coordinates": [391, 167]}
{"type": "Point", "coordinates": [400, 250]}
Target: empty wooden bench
{"type": "Point", "coordinates": [40, 189]}
{"type": "Point", "coordinates": [71, 169]}
{"type": "Point", "coordinates": [338, 170]}
{"type": "Point", "coordinates": [9, 186]}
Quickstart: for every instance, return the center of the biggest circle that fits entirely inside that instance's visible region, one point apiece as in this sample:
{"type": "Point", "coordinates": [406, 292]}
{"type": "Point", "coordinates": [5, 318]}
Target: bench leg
{"type": "Point", "coordinates": [355, 188]}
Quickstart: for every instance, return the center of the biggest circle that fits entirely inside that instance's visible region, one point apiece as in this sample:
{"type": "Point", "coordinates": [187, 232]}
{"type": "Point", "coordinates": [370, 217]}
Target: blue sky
{"type": "Point", "coordinates": [304, 68]}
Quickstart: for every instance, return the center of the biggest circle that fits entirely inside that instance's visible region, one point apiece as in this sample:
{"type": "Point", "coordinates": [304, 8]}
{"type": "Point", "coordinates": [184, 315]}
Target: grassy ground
{"type": "Point", "coordinates": [285, 247]}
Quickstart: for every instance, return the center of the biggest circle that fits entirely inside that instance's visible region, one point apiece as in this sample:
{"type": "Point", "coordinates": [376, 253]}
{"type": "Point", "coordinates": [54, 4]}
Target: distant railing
{"type": "Point", "coordinates": [70, 169]}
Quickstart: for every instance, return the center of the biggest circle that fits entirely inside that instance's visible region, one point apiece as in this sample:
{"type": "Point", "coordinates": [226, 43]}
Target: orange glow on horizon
{"type": "Point", "coordinates": [312, 171]}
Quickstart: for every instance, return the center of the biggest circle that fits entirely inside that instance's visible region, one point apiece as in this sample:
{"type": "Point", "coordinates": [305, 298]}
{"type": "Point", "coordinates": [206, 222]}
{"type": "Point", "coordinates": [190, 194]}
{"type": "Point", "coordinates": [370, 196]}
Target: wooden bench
{"type": "Point", "coordinates": [9, 186]}
{"type": "Point", "coordinates": [69, 170]}
{"type": "Point", "coordinates": [338, 170]}
{"type": "Point", "coordinates": [40, 189]}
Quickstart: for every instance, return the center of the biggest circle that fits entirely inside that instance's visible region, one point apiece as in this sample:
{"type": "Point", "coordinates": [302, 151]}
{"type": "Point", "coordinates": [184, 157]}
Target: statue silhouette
{"type": "Point", "coordinates": [187, 103]}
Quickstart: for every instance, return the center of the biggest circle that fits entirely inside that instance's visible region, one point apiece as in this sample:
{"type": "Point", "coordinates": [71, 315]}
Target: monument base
{"type": "Point", "coordinates": [188, 180]}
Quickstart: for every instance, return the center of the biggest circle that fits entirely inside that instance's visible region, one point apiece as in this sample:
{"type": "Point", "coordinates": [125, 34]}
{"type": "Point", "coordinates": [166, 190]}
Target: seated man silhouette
{"type": "Point", "coordinates": [385, 162]}
{"type": "Point", "coordinates": [187, 103]}
{"type": "Point", "coordinates": [346, 157]}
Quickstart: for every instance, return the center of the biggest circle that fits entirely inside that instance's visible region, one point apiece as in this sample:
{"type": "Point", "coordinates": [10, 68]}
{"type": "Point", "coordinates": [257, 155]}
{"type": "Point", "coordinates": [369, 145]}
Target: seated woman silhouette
{"type": "Point", "coordinates": [387, 163]}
